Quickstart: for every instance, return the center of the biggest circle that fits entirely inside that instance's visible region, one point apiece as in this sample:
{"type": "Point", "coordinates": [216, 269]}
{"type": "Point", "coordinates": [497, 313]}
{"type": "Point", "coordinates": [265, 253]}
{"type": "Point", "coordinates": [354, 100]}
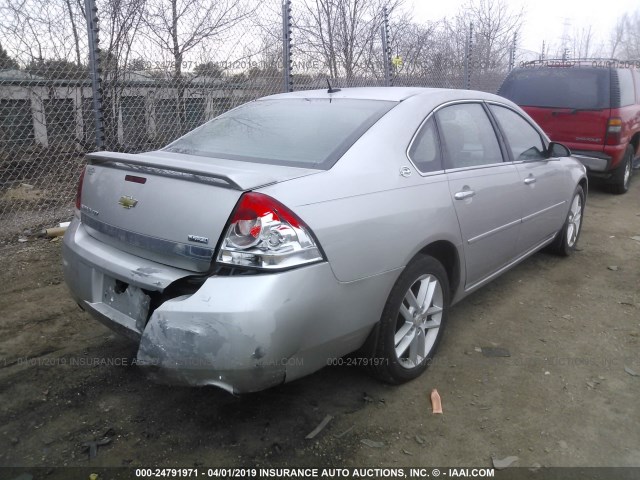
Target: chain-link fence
{"type": "Point", "coordinates": [163, 67]}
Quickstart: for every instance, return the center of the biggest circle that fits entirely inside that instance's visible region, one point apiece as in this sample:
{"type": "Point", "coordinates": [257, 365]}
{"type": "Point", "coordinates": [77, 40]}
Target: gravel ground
{"type": "Point", "coordinates": [562, 397]}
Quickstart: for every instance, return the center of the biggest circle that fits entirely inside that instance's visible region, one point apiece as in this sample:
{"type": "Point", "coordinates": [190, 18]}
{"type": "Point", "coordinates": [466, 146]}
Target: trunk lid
{"type": "Point", "coordinates": [580, 129]}
{"type": "Point", "coordinates": [167, 207]}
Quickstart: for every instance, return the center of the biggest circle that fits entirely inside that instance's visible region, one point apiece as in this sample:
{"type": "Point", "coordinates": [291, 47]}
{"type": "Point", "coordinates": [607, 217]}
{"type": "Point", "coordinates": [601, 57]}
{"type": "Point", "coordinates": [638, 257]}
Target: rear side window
{"type": "Point", "coordinates": [311, 133]}
{"type": "Point", "coordinates": [627, 94]}
{"type": "Point", "coordinates": [425, 149]}
{"type": "Point", "coordinates": [524, 141]}
{"type": "Point", "coordinates": [582, 88]}
{"type": "Point", "coordinates": [468, 136]}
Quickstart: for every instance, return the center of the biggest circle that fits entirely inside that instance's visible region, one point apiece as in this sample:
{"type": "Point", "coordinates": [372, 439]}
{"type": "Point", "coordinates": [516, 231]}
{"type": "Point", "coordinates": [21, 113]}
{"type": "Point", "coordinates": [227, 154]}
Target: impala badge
{"type": "Point", "coordinates": [197, 239]}
{"type": "Point", "coordinates": [127, 201]}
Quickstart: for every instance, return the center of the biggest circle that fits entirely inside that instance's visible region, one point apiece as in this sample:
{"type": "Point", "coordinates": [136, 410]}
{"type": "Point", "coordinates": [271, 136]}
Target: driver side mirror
{"type": "Point", "coordinates": [557, 150]}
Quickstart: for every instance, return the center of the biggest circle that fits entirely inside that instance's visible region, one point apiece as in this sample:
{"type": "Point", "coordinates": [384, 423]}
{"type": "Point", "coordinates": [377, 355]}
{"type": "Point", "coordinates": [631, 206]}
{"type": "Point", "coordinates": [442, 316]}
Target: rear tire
{"type": "Point", "coordinates": [412, 322]}
{"type": "Point", "coordinates": [567, 238]}
{"type": "Point", "coordinates": [622, 176]}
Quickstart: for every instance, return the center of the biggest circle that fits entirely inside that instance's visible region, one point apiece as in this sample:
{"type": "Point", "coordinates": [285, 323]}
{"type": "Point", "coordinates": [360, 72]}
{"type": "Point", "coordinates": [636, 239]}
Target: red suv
{"type": "Point", "coordinates": [592, 106]}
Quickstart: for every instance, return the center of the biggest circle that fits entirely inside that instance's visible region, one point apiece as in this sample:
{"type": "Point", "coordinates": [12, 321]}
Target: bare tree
{"type": "Point", "coordinates": [120, 22]}
{"type": "Point", "coordinates": [453, 38]}
{"type": "Point", "coordinates": [631, 37]}
{"type": "Point", "coordinates": [179, 26]}
{"type": "Point", "coordinates": [582, 42]}
{"type": "Point", "coordinates": [6, 62]}
{"type": "Point", "coordinates": [35, 31]}
{"type": "Point", "coordinates": [494, 25]}
{"type": "Point", "coordinates": [427, 54]}
{"type": "Point", "coordinates": [616, 35]}
{"type": "Point", "coordinates": [73, 13]}
{"type": "Point", "coordinates": [413, 44]}
{"type": "Point", "coordinates": [120, 26]}
{"type": "Point", "coordinates": [316, 32]}
{"type": "Point", "coordinates": [342, 32]}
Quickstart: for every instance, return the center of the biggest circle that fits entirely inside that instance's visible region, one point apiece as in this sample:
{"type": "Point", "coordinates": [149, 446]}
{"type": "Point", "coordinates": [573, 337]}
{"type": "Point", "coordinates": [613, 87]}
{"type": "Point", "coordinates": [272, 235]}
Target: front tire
{"type": "Point", "coordinates": [412, 322]}
{"type": "Point", "coordinates": [567, 238]}
{"type": "Point", "coordinates": [622, 176]}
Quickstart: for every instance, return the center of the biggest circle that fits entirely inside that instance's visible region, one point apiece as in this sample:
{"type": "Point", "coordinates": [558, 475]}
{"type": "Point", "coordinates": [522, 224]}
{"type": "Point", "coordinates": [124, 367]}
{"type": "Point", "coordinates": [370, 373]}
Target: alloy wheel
{"type": "Point", "coordinates": [418, 321]}
{"type": "Point", "coordinates": [575, 219]}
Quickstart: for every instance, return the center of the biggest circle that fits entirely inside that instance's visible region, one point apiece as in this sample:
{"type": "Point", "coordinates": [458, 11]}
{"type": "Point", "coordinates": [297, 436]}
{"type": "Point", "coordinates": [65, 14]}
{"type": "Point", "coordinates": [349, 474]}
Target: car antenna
{"type": "Point", "coordinates": [331, 90]}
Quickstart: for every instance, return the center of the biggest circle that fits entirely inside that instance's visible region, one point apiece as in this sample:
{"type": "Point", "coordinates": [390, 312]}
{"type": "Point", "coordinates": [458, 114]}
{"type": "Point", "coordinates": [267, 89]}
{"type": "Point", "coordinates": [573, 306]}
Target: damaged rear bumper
{"type": "Point", "coordinates": [241, 333]}
{"type": "Point", "coordinates": [190, 341]}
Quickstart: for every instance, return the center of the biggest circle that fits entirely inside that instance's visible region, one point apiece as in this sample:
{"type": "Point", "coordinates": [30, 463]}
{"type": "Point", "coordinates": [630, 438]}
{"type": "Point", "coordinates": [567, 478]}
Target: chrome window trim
{"type": "Point", "coordinates": [496, 133]}
{"type": "Point", "coordinates": [426, 119]}
{"type": "Point", "coordinates": [543, 136]}
{"type": "Point", "coordinates": [413, 139]}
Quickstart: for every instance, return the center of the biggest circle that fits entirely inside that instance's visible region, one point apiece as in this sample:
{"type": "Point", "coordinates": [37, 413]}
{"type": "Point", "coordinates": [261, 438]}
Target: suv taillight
{"type": "Point", "coordinates": [79, 190]}
{"type": "Point", "coordinates": [614, 130]}
{"type": "Point", "coordinates": [265, 234]}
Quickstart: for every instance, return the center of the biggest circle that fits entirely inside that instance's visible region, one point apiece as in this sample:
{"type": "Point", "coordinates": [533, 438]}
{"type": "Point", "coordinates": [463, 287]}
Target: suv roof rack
{"type": "Point", "coordinates": [587, 61]}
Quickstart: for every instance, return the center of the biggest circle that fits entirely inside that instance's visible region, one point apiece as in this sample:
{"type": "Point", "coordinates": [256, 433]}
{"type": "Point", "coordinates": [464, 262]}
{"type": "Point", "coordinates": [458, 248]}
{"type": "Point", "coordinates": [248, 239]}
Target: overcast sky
{"type": "Point", "coordinates": [543, 19]}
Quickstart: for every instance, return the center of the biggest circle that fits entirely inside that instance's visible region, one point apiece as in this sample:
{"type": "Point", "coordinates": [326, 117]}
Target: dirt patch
{"type": "Point", "coordinates": [561, 398]}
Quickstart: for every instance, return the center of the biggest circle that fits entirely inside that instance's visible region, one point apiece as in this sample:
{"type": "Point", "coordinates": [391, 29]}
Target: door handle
{"type": "Point", "coordinates": [530, 180]}
{"type": "Point", "coordinates": [464, 194]}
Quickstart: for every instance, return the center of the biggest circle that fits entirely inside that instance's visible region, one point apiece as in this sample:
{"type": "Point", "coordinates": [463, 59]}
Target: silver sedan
{"type": "Point", "coordinates": [298, 228]}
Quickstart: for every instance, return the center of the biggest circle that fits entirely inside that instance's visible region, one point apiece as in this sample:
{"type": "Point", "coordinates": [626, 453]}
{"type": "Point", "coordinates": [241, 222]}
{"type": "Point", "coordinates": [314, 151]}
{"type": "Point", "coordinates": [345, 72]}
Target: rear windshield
{"type": "Point", "coordinates": [311, 133]}
{"type": "Point", "coordinates": [575, 87]}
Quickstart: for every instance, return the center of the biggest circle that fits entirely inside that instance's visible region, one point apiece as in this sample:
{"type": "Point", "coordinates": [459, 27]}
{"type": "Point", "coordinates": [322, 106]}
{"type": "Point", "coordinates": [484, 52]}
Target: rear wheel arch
{"type": "Point", "coordinates": [584, 183]}
{"type": "Point", "coordinates": [447, 254]}
{"type": "Point", "coordinates": [635, 142]}
{"type": "Point", "coordinates": [444, 252]}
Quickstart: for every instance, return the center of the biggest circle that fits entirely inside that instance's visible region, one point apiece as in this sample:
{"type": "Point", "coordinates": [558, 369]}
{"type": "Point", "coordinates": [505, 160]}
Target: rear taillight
{"type": "Point", "coordinates": [614, 130]}
{"type": "Point", "coordinates": [79, 191]}
{"type": "Point", "coordinates": [263, 233]}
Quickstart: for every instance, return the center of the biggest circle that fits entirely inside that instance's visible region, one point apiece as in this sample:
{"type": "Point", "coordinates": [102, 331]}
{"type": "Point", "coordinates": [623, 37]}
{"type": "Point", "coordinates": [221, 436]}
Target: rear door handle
{"type": "Point", "coordinates": [464, 194]}
{"type": "Point", "coordinates": [530, 180]}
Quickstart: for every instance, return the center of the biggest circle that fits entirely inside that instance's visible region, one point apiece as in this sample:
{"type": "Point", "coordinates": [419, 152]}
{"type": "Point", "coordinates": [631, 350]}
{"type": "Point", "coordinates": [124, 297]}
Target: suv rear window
{"type": "Point", "coordinates": [311, 133]}
{"type": "Point", "coordinates": [561, 87]}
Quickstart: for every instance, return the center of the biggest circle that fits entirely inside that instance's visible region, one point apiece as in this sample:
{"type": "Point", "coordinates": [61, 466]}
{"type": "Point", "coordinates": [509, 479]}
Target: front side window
{"type": "Point", "coordinates": [523, 140]}
{"type": "Point", "coordinates": [299, 132]}
{"type": "Point", "coordinates": [468, 136]}
{"type": "Point", "coordinates": [425, 149]}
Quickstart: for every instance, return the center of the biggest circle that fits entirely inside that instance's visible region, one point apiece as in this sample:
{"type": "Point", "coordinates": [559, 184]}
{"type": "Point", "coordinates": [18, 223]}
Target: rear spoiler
{"type": "Point", "coordinates": [148, 163]}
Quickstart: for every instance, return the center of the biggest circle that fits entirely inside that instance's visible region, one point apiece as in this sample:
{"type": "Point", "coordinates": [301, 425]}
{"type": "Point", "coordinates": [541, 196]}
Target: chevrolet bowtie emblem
{"type": "Point", "coordinates": [127, 201]}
